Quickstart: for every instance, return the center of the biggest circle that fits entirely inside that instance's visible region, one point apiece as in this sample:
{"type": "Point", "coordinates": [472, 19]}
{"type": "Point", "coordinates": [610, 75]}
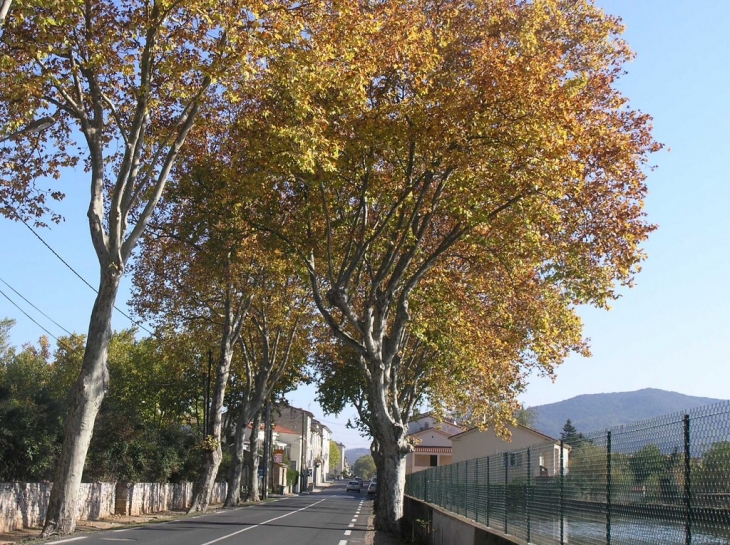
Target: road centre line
{"type": "Point", "coordinates": [260, 524]}
{"type": "Point", "coordinates": [348, 532]}
{"type": "Point", "coordinates": [342, 542]}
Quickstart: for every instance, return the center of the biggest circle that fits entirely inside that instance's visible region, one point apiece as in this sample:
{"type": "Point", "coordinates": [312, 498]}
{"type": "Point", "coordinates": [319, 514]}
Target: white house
{"type": "Point", "coordinates": [432, 443]}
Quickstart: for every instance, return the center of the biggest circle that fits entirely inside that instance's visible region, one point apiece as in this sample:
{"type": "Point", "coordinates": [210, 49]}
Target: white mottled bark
{"type": "Point", "coordinates": [87, 395]}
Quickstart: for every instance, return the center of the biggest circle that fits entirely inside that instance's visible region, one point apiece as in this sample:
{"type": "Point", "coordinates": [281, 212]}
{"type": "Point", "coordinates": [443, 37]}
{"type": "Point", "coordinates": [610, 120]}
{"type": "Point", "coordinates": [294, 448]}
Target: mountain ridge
{"type": "Point", "coordinates": [594, 412]}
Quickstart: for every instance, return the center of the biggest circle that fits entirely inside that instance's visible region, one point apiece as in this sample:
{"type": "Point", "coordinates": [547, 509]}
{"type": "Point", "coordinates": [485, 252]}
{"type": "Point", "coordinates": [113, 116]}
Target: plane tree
{"type": "Point", "coordinates": [465, 185]}
{"type": "Point", "coordinates": [120, 85]}
{"type": "Point", "coordinates": [203, 269]}
{"type": "Point", "coordinates": [274, 345]}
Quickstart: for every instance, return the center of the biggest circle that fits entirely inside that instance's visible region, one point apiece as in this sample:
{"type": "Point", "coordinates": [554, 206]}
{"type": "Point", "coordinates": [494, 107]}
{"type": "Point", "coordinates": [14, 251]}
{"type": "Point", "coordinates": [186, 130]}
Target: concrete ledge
{"type": "Point", "coordinates": [436, 526]}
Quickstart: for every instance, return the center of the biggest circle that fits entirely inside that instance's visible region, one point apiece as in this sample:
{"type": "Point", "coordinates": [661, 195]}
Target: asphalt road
{"type": "Point", "coordinates": [330, 517]}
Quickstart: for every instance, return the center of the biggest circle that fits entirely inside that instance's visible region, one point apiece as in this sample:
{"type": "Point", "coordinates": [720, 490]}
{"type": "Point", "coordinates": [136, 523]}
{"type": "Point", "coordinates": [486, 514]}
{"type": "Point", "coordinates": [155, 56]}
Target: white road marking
{"type": "Point", "coordinates": [354, 520]}
{"type": "Point", "coordinates": [260, 524]}
{"type": "Point", "coordinates": [348, 532]}
{"type": "Point", "coordinates": [342, 542]}
{"type": "Point", "coordinates": [69, 539]}
{"type": "Point", "coordinates": [350, 525]}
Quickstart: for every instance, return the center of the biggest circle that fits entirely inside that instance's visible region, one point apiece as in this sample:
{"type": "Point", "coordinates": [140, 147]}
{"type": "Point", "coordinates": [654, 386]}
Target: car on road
{"type": "Point", "coordinates": [373, 487]}
{"type": "Point", "coordinates": [353, 486]}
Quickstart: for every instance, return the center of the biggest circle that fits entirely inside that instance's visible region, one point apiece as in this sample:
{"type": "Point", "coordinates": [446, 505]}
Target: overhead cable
{"type": "Point", "coordinates": [28, 315]}
{"type": "Point", "coordinates": [35, 307]}
{"type": "Point", "coordinates": [136, 323]}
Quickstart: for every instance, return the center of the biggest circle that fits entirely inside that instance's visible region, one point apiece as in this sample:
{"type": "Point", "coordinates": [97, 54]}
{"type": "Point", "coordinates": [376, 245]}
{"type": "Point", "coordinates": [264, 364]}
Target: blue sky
{"type": "Point", "coordinates": [672, 331]}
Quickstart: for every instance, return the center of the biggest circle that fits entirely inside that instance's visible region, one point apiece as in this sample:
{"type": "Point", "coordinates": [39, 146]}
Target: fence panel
{"type": "Point", "coordinates": [661, 481]}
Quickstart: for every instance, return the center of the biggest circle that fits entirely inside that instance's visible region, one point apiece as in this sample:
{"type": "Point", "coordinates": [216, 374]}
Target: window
{"type": "Point", "coordinates": [515, 459]}
{"type": "Point", "coordinates": [434, 460]}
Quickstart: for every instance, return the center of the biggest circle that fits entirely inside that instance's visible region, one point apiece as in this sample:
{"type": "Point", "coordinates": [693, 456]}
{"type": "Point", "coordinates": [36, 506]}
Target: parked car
{"type": "Point", "coordinates": [353, 486]}
{"type": "Point", "coordinates": [373, 487]}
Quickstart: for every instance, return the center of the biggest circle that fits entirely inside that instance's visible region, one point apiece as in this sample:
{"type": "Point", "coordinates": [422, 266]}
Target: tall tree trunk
{"type": "Point", "coordinates": [86, 397]}
{"type": "Point", "coordinates": [253, 490]}
{"type": "Point", "coordinates": [213, 452]}
{"type": "Point", "coordinates": [392, 447]}
{"type": "Point", "coordinates": [233, 495]}
{"type": "Point", "coordinates": [391, 487]}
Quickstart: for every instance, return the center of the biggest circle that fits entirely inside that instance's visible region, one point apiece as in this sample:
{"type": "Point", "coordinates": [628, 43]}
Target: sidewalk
{"type": "Point", "coordinates": [85, 526]}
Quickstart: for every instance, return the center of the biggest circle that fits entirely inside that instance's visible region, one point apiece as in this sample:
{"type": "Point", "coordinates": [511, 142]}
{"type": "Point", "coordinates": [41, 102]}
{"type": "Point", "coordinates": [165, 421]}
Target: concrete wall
{"type": "Point", "coordinates": [23, 505]}
{"type": "Point", "coordinates": [434, 526]}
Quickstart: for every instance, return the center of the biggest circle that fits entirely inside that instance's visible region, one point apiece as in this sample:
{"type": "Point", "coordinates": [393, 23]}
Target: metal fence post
{"type": "Point", "coordinates": [489, 491]}
{"type": "Point", "coordinates": [476, 492]}
{"type": "Point", "coordinates": [527, 494]}
{"type": "Point", "coordinates": [451, 487]}
{"type": "Point", "coordinates": [506, 481]}
{"type": "Point", "coordinates": [687, 484]}
{"type": "Point", "coordinates": [562, 495]}
{"type": "Point", "coordinates": [466, 488]}
{"type": "Point", "coordinates": [608, 488]}
{"type": "Point", "coordinates": [456, 489]}
{"type": "Point", "coordinates": [425, 486]}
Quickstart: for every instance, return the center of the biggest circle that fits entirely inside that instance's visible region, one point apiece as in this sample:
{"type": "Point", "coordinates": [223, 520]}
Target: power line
{"type": "Point", "coordinates": [138, 324]}
{"type": "Point", "coordinates": [35, 307]}
{"type": "Point", "coordinates": [28, 315]}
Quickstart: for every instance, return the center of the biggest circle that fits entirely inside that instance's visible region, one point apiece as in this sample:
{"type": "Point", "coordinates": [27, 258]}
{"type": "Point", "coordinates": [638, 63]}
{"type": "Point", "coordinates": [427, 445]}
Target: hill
{"type": "Point", "coordinates": [353, 454]}
{"type": "Point", "coordinates": [592, 412]}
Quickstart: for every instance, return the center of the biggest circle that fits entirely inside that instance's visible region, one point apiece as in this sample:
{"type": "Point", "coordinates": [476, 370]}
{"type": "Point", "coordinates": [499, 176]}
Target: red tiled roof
{"type": "Point", "coordinates": [277, 428]}
{"type": "Point", "coordinates": [282, 429]}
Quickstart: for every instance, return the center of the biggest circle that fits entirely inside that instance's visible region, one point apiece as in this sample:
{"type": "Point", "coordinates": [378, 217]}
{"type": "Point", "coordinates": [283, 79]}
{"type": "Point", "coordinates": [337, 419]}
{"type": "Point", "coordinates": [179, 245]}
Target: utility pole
{"type": "Point", "coordinates": [206, 395]}
{"type": "Point", "coordinates": [267, 450]}
{"type": "Point", "coordinates": [302, 477]}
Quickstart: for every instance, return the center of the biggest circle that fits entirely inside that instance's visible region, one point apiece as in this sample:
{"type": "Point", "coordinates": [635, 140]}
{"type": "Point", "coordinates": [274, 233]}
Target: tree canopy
{"type": "Point", "coordinates": [454, 194]}
{"type": "Point", "coordinates": [364, 467]}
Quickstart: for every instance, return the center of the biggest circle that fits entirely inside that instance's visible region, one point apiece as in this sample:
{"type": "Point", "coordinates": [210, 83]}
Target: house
{"type": "Point", "coordinates": [310, 449]}
{"type": "Point", "coordinates": [432, 442]}
{"type": "Point", "coordinates": [284, 444]}
{"type": "Point", "coordinates": [527, 448]}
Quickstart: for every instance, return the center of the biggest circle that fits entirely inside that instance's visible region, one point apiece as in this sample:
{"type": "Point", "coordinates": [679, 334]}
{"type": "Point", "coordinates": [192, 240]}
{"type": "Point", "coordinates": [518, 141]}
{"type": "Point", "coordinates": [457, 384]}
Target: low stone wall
{"type": "Point", "coordinates": [145, 498]}
{"type": "Point", "coordinates": [23, 505]}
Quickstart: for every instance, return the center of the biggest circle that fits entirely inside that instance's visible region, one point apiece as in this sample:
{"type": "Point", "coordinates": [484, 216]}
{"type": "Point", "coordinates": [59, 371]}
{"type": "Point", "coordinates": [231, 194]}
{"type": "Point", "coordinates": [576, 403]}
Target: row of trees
{"type": "Point", "coordinates": [149, 428]}
{"type": "Point", "coordinates": [413, 197]}
{"type": "Point", "coordinates": [648, 474]}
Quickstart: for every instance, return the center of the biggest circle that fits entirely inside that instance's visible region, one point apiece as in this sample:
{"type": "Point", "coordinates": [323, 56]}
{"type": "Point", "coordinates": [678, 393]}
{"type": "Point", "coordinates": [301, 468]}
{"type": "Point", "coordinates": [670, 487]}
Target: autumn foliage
{"type": "Point", "coordinates": [455, 178]}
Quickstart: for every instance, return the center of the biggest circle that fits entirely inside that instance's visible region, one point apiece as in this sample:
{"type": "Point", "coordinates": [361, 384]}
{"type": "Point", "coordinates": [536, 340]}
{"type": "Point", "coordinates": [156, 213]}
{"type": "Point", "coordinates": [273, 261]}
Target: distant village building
{"type": "Point", "coordinates": [310, 458]}
{"type": "Point", "coordinates": [432, 443]}
{"type": "Point", "coordinates": [544, 450]}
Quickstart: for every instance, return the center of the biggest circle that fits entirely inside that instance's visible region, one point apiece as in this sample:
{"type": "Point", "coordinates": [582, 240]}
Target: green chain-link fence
{"type": "Point", "coordinates": [663, 481]}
